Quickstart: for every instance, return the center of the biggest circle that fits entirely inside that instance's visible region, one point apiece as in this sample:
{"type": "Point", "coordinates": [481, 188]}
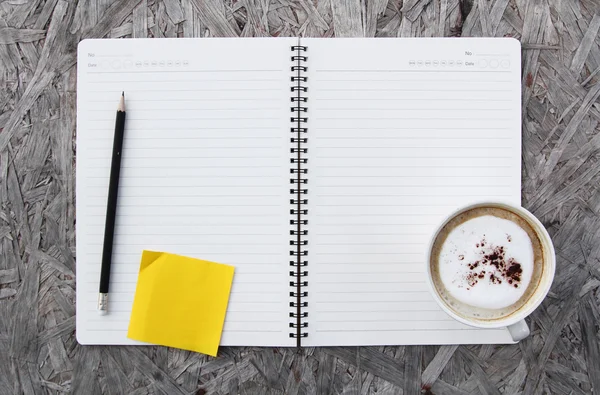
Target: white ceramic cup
{"type": "Point", "coordinates": [515, 322]}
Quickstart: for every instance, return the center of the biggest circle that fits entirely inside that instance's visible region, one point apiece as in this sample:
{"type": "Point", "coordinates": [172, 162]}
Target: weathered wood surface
{"type": "Point", "coordinates": [561, 147]}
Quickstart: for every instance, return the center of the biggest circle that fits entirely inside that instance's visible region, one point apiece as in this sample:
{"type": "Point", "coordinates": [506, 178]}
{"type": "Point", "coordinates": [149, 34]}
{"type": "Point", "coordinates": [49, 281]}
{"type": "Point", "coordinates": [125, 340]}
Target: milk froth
{"type": "Point", "coordinates": [486, 262]}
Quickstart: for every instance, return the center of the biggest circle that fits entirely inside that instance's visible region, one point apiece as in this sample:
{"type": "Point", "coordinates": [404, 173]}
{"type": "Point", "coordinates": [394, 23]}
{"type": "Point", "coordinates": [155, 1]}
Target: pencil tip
{"type": "Point", "coordinates": [121, 106]}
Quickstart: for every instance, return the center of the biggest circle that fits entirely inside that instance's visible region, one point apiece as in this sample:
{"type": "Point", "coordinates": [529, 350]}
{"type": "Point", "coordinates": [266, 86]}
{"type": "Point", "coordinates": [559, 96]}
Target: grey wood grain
{"type": "Point", "coordinates": [10, 35]}
{"type": "Point", "coordinates": [140, 20]}
{"type": "Point", "coordinates": [174, 10]}
{"type": "Point", "coordinates": [435, 367]}
{"type": "Point", "coordinates": [561, 148]}
{"type": "Point", "coordinates": [213, 14]}
{"type": "Point", "coordinates": [412, 371]}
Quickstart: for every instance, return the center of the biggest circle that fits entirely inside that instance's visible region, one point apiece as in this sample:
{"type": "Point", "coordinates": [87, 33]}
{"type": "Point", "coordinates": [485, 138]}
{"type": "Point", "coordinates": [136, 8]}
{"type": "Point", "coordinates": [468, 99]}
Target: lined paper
{"type": "Point", "coordinates": [205, 173]}
{"type": "Point", "coordinates": [401, 132]}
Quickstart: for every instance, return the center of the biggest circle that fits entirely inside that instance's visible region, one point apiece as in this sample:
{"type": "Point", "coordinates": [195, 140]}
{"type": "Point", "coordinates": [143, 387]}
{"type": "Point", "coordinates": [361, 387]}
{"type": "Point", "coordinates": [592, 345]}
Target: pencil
{"type": "Point", "coordinates": [111, 207]}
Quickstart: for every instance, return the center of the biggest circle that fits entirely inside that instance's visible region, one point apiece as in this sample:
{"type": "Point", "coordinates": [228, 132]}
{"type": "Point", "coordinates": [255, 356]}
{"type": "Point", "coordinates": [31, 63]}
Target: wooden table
{"type": "Point", "coordinates": [561, 144]}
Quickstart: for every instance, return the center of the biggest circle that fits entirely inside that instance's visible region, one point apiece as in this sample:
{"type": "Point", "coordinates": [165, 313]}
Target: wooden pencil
{"type": "Point", "coordinates": [111, 207]}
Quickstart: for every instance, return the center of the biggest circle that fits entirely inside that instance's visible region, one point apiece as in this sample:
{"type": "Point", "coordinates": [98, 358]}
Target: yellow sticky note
{"type": "Point", "coordinates": [180, 302]}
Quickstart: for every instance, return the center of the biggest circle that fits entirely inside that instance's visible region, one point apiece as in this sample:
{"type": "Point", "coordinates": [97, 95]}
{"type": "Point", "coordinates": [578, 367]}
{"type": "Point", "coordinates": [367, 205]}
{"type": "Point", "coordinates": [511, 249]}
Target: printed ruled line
{"type": "Point", "coordinates": [411, 99]}
{"type": "Point", "coordinates": [278, 207]}
{"type": "Point", "coordinates": [413, 195]}
{"type": "Point", "coordinates": [191, 244]}
{"type": "Point", "coordinates": [162, 90]}
{"type": "Point", "coordinates": [374, 223]}
{"type": "Point", "coordinates": [129, 130]}
{"type": "Point", "coordinates": [187, 205]}
{"type": "Point", "coordinates": [112, 310]}
{"type": "Point", "coordinates": [225, 330]}
{"type": "Point", "coordinates": [95, 273]}
{"type": "Point", "coordinates": [367, 263]}
{"type": "Point", "coordinates": [216, 157]}
{"type": "Point", "coordinates": [126, 321]}
{"type": "Point", "coordinates": [190, 234]}
{"type": "Point", "coordinates": [399, 330]}
{"type": "Point", "coordinates": [189, 196]}
{"type": "Point", "coordinates": [216, 99]}
{"type": "Point", "coordinates": [135, 264]}
{"type": "Point", "coordinates": [376, 292]}
{"type": "Point", "coordinates": [394, 260]}
{"type": "Point", "coordinates": [469, 81]}
{"type": "Point", "coordinates": [395, 177]}
{"type": "Point", "coordinates": [409, 71]}
{"type": "Point", "coordinates": [122, 245]}
{"type": "Point", "coordinates": [342, 282]}
{"type": "Point", "coordinates": [252, 321]}
{"type": "Point", "coordinates": [369, 244]}
{"type": "Point", "coordinates": [411, 128]}
{"type": "Point", "coordinates": [258, 292]}
{"type": "Point", "coordinates": [373, 311]}
{"type": "Point", "coordinates": [124, 330]}
{"type": "Point", "coordinates": [195, 157]}
{"type": "Point", "coordinates": [414, 90]}
{"type": "Point", "coordinates": [203, 167]}
{"type": "Point", "coordinates": [371, 253]}
{"type": "Point", "coordinates": [112, 293]}
{"type": "Point", "coordinates": [370, 234]}
{"type": "Point", "coordinates": [445, 166]}
{"type": "Point", "coordinates": [411, 186]}
{"type": "Point", "coordinates": [136, 272]}
{"type": "Point", "coordinates": [133, 149]}
{"type": "Point", "coordinates": [189, 119]}
{"type": "Point", "coordinates": [119, 72]}
{"type": "Point", "coordinates": [195, 177]}
{"type": "Point", "coordinates": [492, 54]}
{"type": "Point", "coordinates": [388, 205]}
{"type": "Point", "coordinates": [189, 109]}
{"type": "Point", "coordinates": [319, 138]}
{"type": "Point", "coordinates": [408, 109]}
{"type": "Point", "coordinates": [188, 185]}
{"type": "Point", "coordinates": [384, 320]}
{"type": "Point", "coordinates": [185, 215]}
{"type": "Point", "coordinates": [211, 225]}
{"type": "Point", "coordinates": [189, 80]}
{"type": "Point", "coordinates": [375, 301]}
{"type": "Point", "coordinates": [386, 272]}
{"type": "Point", "coordinates": [237, 281]}
{"type": "Point", "coordinates": [378, 225]}
{"type": "Point", "coordinates": [412, 119]}
{"type": "Point", "coordinates": [185, 234]}
{"type": "Point", "coordinates": [122, 256]}
{"type": "Point", "coordinates": [424, 147]}
{"type": "Point", "coordinates": [183, 140]}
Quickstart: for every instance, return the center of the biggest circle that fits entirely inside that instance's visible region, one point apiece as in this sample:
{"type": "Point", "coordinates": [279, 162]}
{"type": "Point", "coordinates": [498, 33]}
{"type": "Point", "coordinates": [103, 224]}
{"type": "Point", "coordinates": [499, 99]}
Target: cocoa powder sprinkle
{"type": "Point", "coordinates": [504, 269]}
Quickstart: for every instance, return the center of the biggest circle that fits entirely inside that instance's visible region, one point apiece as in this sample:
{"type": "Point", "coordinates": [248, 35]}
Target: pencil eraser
{"type": "Point", "coordinates": [102, 312]}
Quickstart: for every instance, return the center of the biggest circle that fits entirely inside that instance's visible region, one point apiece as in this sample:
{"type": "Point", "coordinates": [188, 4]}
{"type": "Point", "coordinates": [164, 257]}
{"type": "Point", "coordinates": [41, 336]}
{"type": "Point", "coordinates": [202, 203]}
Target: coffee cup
{"type": "Point", "coordinates": [490, 265]}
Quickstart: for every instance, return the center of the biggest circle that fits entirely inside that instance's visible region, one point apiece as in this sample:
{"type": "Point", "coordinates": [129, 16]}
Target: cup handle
{"type": "Point", "coordinates": [519, 330]}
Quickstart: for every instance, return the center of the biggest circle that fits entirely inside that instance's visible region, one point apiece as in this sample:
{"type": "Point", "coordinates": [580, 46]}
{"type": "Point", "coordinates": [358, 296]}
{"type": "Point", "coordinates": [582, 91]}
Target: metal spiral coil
{"type": "Point", "coordinates": [299, 182]}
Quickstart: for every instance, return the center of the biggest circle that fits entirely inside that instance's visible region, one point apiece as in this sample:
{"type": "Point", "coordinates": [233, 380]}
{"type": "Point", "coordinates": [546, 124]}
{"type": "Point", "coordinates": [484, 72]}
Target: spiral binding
{"type": "Point", "coordinates": [298, 191]}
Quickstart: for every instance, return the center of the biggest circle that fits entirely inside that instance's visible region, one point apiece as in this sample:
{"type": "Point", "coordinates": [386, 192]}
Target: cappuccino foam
{"type": "Point", "coordinates": [486, 262]}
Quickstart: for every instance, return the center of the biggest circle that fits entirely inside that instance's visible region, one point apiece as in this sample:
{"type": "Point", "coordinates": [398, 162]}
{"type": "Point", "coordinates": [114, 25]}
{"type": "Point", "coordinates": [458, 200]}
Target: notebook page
{"type": "Point", "coordinates": [401, 132]}
{"type": "Point", "coordinates": [205, 173]}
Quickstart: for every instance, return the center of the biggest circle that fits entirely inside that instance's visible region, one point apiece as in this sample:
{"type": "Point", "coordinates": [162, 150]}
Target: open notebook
{"type": "Point", "coordinates": [319, 168]}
